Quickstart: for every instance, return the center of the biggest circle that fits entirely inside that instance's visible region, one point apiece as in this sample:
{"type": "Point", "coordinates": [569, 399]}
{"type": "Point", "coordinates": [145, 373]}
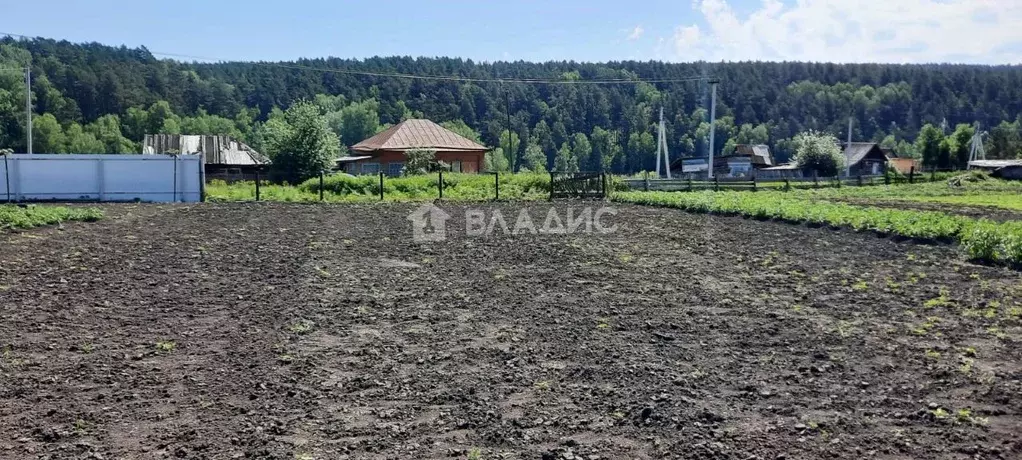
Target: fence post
{"type": "Point", "coordinates": [837, 180]}
{"type": "Point", "coordinates": [321, 186]}
{"type": "Point", "coordinates": [381, 185]}
{"type": "Point", "coordinates": [690, 183]}
{"type": "Point", "coordinates": [603, 185]}
{"type": "Point", "coordinates": [257, 184]}
{"type": "Point", "coordinates": [647, 181]}
{"type": "Point", "coordinates": [887, 178]}
{"type": "Point", "coordinates": [551, 186]}
{"type": "Point", "coordinates": [912, 175]}
{"type": "Point", "coordinates": [496, 185]}
{"type": "Point", "coordinates": [7, 176]}
{"type": "Point", "coordinates": [787, 185]}
{"type": "Point", "coordinates": [174, 157]}
{"type": "Point", "coordinates": [816, 179]}
{"type": "Point", "coordinates": [716, 183]}
{"type": "Point", "coordinates": [754, 183]}
{"type": "Point", "coordinates": [440, 184]}
{"type": "Point", "coordinates": [933, 174]}
{"type": "Point", "coordinates": [860, 179]}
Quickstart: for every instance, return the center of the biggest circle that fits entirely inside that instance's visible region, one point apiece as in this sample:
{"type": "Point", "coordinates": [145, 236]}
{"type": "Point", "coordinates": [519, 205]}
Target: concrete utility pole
{"type": "Point", "coordinates": [28, 106]}
{"type": "Point", "coordinates": [713, 123]}
{"type": "Point", "coordinates": [661, 147]}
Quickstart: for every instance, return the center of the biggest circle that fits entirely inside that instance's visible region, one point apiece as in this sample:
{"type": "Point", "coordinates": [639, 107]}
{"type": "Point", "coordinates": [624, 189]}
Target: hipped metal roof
{"type": "Point", "coordinates": [417, 134]}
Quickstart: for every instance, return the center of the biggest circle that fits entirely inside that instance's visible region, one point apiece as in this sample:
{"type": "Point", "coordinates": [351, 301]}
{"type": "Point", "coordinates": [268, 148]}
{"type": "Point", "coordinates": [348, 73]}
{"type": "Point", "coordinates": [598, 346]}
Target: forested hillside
{"type": "Point", "coordinates": [92, 98]}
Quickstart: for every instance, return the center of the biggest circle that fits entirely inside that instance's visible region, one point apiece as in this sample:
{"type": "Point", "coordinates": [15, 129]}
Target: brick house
{"type": "Point", "coordinates": [386, 150]}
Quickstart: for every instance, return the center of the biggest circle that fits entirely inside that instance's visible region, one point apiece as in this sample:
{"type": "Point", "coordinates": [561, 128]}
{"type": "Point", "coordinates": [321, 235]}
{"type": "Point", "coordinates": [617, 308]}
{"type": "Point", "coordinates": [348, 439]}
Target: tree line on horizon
{"type": "Point", "coordinates": [91, 98]}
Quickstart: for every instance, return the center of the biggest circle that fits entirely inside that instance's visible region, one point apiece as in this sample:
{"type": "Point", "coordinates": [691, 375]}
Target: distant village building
{"type": "Point", "coordinates": [1004, 169]}
{"type": "Point", "coordinates": [225, 158]}
{"type": "Point", "coordinates": [386, 151]}
{"type": "Point", "coordinates": [864, 159]}
{"type": "Point", "coordinates": [742, 163]}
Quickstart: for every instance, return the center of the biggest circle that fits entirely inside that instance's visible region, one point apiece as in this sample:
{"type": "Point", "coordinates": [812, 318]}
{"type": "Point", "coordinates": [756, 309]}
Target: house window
{"type": "Point", "coordinates": [456, 166]}
{"type": "Point", "coordinates": [395, 168]}
{"type": "Point", "coordinates": [370, 168]}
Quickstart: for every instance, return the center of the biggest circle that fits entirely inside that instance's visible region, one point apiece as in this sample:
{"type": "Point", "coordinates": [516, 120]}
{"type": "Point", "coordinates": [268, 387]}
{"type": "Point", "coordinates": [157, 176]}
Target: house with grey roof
{"type": "Point", "coordinates": [864, 159]}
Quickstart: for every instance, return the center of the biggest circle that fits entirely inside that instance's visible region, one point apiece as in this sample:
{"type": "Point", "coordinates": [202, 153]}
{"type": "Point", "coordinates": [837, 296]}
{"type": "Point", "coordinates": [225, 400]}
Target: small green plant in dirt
{"type": "Point", "coordinates": [542, 385]}
{"type": "Point", "coordinates": [304, 456]}
{"type": "Point", "coordinates": [965, 416]}
{"type": "Point", "coordinates": [302, 326]}
{"type": "Point", "coordinates": [969, 352]}
{"type": "Point", "coordinates": [603, 323]}
{"type": "Point", "coordinates": [475, 454]}
{"type": "Point", "coordinates": [939, 413]}
{"type": "Point", "coordinates": [80, 427]}
{"type": "Point", "coordinates": [924, 328]}
{"type": "Point", "coordinates": [87, 348]}
{"type": "Point", "coordinates": [966, 366]}
{"type": "Point", "coordinates": [941, 300]}
{"type": "Point", "coordinates": [860, 286]}
{"type": "Point", "coordinates": [932, 354]}
{"type": "Point", "coordinates": [844, 329]}
{"type": "Point", "coordinates": [997, 332]}
{"type": "Point", "coordinates": [165, 346]}
{"type": "Point", "coordinates": [892, 285]}
{"type": "Point", "coordinates": [625, 257]}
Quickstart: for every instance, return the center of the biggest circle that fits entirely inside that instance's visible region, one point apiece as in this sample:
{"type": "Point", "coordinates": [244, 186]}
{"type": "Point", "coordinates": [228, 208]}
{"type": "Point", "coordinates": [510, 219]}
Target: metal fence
{"type": "Point", "coordinates": [753, 183]}
{"type": "Point", "coordinates": [101, 177]}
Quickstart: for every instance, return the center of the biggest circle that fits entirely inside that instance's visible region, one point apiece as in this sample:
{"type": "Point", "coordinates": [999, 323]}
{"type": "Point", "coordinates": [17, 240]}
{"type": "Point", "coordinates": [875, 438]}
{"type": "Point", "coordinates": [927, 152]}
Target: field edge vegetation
{"type": "Point", "coordinates": [23, 217]}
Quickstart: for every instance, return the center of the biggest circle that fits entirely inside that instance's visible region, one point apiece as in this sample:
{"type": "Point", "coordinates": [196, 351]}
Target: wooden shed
{"type": "Point", "coordinates": [224, 157]}
{"type": "Point", "coordinates": [865, 159]}
{"type": "Point", "coordinates": [387, 150]}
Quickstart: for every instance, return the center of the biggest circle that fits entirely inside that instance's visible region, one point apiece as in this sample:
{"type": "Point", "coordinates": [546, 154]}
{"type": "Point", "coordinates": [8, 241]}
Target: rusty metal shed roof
{"type": "Point", "coordinates": [216, 150]}
{"type": "Point", "coordinates": [418, 134]}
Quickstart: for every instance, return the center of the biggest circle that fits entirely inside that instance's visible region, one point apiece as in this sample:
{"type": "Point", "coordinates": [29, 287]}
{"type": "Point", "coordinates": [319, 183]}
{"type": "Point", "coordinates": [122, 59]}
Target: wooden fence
{"type": "Point", "coordinates": [783, 184]}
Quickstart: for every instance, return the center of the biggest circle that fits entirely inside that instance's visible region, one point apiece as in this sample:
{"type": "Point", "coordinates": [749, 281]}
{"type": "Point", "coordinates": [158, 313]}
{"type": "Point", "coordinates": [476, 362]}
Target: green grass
{"type": "Point", "coordinates": [12, 216]}
{"type": "Point", "coordinates": [980, 238]}
{"type": "Point", "coordinates": [346, 188]}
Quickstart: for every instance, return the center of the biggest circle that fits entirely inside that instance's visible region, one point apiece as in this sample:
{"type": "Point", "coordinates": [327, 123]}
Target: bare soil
{"type": "Point", "coordinates": [323, 331]}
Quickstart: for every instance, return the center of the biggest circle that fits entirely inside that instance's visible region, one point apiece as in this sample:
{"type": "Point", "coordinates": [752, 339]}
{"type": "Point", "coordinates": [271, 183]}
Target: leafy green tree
{"type": "Point", "coordinates": [420, 161]}
{"type": "Point", "coordinates": [535, 159]}
{"type": "Point", "coordinates": [160, 119]}
{"type": "Point", "coordinates": [135, 124]}
{"type": "Point", "coordinates": [80, 141]}
{"type": "Point", "coordinates": [960, 142]}
{"type": "Point", "coordinates": [47, 135]}
{"type": "Point", "coordinates": [1004, 141]}
{"type": "Point", "coordinates": [565, 160]}
{"type": "Point", "coordinates": [359, 121]}
{"type": "Point", "coordinates": [819, 152]}
{"type": "Point", "coordinates": [606, 148]}
{"type": "Point", "coordinates": [509, 144]}
{"type": "Point", "coordinates": [107, 129]}
{"type": "Point", "coordinates": [496, 161]}
{"type": "Point", "coordinates": [300, 144]}
{"type": "Point", "coordinates": [581, 150]}
{"type": "Point", "coordinates": [930, 144]}
{"type": "Point", "coordinates": [12, 96]}
{"type": "Point", "coordinates": [641, 151]}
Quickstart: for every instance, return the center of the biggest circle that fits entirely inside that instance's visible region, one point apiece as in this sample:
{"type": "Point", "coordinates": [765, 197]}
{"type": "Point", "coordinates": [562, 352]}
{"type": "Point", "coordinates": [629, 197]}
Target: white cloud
{"type": "Point", "coordinates": [984, 31]}
{"type": "Point", "coordinates": [636, 33]}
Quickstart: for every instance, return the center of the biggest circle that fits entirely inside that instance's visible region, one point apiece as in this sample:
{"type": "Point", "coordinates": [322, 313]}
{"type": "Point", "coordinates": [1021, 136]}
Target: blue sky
{"type": "Point", "coordinates": [981, 31]}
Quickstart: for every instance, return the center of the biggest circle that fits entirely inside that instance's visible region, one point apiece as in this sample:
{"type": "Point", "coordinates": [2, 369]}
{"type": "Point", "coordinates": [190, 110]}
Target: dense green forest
{"type": "Point", "coordinates": [96, 98]}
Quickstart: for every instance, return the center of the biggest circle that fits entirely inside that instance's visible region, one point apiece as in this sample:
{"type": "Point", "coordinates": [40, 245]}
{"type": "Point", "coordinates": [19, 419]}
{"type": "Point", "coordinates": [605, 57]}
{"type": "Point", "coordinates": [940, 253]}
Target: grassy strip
{"type": "Point", "coordinates": [982, 239]}
{"type": "Point", "coordinates": [34, 216]}
{"type": "Point", "coordinates": [346, 188]}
